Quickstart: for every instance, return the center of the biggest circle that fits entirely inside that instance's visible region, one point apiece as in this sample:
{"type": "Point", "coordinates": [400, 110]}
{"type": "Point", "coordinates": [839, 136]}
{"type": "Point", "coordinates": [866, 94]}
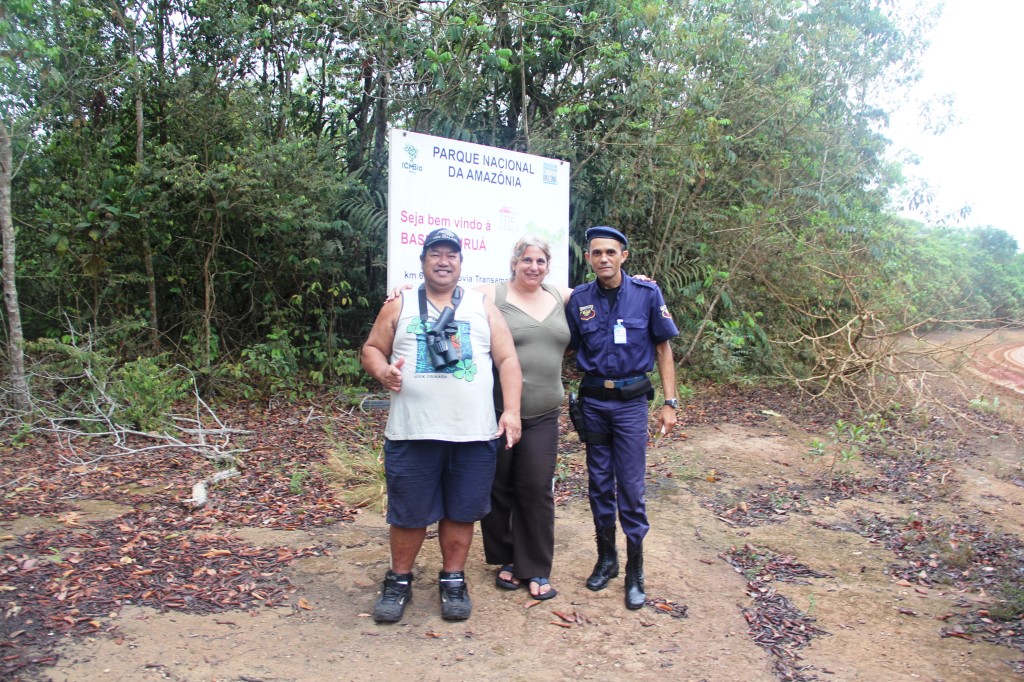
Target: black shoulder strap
{"type": "Point", "coordinates": [456, 300]}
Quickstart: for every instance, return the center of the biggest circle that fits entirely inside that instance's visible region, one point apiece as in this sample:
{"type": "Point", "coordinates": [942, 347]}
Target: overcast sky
{"type": "Point", "coordinates": [976, 56]}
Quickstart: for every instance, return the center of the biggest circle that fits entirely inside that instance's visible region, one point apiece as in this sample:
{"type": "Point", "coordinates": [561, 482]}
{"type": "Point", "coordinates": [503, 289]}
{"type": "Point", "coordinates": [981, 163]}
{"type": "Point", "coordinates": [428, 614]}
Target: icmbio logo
{"type": "Point", "coordinates": [411, 164]}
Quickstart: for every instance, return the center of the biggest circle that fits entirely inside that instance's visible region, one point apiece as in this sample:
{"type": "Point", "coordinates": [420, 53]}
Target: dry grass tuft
{"type": "Point", "coordinates": [356, 465]}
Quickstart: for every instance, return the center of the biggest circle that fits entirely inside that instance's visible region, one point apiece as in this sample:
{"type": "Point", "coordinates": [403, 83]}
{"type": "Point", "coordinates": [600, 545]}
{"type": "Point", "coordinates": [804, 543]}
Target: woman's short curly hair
{"type": "Point", "coordinates": [520, 248]}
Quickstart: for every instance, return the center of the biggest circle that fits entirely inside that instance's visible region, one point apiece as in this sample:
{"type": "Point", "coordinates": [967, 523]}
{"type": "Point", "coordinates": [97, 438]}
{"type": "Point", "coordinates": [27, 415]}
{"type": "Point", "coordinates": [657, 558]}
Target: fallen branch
{"type": "Point", "coordinates": [93, 427]}
{"type": "Point", "coordinates": [119, 438]}
{"type": "Point", "coordinates": [199, 494]}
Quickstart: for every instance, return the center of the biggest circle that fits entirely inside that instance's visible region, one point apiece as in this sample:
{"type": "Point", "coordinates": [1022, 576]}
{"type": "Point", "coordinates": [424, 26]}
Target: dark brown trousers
{"type": "Point", "coordinates": [520, 529]}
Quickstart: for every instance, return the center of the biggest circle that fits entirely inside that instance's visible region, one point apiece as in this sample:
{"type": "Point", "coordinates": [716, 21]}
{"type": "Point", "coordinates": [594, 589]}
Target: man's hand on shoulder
{"type": "Point", "coordinates": [396, 292]}
{"type": "Point", "coordinates": [645, 281]}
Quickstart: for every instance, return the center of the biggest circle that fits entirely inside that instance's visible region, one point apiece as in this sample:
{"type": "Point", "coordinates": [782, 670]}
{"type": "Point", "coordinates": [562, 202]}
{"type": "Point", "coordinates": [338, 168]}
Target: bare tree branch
{"type": "Point", "coordinates": [83, 413]}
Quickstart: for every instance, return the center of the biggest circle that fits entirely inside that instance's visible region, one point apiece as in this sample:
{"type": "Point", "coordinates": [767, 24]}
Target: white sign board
{"type": "Point", "coordinates": [489, 197]}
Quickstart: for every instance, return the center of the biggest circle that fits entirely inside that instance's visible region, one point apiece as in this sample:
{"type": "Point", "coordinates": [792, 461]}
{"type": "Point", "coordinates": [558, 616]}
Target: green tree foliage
{"type": "Point", "coordinates": [949, 273]}
{"type": "Point", "coordinates": [217, 168]}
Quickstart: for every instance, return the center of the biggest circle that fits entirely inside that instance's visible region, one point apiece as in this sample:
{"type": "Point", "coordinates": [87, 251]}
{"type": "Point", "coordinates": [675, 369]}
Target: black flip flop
{"type": "Point", "coordinates": [550, 594]}
{"type": "Point", "coordinates": [507, 584]}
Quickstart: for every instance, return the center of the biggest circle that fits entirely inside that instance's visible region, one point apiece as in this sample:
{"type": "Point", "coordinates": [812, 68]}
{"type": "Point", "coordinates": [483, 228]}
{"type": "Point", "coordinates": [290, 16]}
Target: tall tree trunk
{"type": "Point", "coordinates": [139, 117]}
{"type": "Point", "coordinates": [163, 10]}
{"type": "Point", "coordinates": [147, 258]}
{"type": "Point", "coordinates": [15, 338]}
{"type": "Point", "coordinates": [209, 295]}
{"type": "Point", "coordinates": [140, 138]}
{"type": "Point", "coordinates": [147, 251]}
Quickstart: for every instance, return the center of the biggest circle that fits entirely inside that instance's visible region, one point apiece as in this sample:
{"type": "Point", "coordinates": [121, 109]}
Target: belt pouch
{"type": "Point", "coordinates": [639, 388]}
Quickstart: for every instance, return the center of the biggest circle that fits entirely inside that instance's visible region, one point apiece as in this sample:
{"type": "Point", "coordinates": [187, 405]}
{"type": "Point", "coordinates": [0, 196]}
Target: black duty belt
{"type": "Point", "coordinates": [615, 389]}
{"type": "Point", "coordinates": [591, 380]}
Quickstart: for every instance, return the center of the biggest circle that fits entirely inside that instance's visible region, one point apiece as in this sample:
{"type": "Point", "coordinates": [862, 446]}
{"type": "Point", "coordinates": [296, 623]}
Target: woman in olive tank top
{"type": "Point", "coordinates": [519, 532]}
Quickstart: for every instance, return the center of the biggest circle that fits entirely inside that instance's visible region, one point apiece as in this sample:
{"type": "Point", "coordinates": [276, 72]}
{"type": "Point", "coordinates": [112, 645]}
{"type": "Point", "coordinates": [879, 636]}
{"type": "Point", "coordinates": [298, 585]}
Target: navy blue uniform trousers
{"type": "Point", "coordinates": [616, 471]}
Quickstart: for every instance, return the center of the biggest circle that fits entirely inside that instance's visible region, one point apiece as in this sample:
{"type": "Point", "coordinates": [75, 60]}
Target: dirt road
{"type": "Point", "coordinates": [912, 548]}
{"type": "Point", "coordinates": [879, 626]}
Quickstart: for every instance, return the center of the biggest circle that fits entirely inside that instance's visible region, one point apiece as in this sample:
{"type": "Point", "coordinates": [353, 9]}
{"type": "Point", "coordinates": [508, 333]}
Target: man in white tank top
{"type": "Point", "coordinates": [433, 348]}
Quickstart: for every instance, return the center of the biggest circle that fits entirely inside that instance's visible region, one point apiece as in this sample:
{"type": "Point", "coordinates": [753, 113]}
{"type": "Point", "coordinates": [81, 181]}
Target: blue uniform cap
{"type": "Point", "coordinates": [440, 235]}
{"type": "Point", "coordinates": [605, 232]}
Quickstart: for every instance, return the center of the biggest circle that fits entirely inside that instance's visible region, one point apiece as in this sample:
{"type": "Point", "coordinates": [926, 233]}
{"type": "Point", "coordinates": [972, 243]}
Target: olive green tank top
{"type": "Point", "coordinates": [540, 345]}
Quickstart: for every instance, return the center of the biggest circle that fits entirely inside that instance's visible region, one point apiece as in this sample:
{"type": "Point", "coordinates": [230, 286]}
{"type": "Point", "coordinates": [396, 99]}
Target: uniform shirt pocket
{"type": "Point", "coordinates": [635, 326]}
{"type": "Point", "coordinates": [588, 327]}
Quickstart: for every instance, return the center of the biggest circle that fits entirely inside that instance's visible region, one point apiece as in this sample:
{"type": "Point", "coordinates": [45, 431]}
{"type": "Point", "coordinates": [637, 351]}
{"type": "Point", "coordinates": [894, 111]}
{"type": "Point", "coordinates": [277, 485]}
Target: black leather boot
{"type": "Point", "coordinates": [607, 566]}
{"type": "Point", "coordinates": [635, 596]}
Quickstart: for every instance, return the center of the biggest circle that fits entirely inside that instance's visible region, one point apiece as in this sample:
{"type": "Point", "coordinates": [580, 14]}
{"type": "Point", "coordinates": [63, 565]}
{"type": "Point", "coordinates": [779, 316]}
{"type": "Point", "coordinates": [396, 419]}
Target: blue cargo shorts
{"type": "Point", "coordinates": [430, 480]}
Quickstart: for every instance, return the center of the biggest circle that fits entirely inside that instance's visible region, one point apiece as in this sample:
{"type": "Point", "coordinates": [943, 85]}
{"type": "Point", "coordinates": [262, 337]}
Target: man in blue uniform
{"type": "Point", "coordinates": [620, 327]}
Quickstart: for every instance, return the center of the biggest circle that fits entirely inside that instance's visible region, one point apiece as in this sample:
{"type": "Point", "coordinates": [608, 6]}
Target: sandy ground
{"type": "Point", "coordinates": [879, 627]}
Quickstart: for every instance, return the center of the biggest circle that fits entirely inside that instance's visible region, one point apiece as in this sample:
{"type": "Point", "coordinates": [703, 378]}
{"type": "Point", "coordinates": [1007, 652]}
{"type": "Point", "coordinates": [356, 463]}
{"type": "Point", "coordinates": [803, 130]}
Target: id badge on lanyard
{"type": "Point", "coordinates": [619, 333]}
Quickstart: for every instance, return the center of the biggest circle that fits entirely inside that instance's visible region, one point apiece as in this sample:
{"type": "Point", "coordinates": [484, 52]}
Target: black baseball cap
{"type": "Point", "coordinates": [605, 232]}
{"type": "Point", "coordinates": [442, 234]}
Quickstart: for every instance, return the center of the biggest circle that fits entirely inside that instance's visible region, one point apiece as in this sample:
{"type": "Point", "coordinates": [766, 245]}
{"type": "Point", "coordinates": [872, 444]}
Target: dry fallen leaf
{"type": "Point", "coordinates": [304, 604]}
{"type": "Point", "coordinates": [957, 632]}
{"type": "Point", "coordinates": [71, 519]}
{"type": "Point", "coordinates": [217, 552]}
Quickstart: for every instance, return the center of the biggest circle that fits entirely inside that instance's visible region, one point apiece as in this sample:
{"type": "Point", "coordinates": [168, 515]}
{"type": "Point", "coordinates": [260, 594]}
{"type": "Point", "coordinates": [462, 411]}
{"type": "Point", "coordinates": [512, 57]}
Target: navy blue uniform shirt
{"type": "Point", "coordinates": [644, 315]}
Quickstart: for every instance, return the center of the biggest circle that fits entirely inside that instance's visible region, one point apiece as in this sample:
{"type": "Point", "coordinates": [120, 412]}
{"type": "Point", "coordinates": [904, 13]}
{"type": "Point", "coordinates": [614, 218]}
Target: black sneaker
{"type": "Point", "coordinates": [394, 595]}
{"type": "Point", "coordinates": [455, 603]}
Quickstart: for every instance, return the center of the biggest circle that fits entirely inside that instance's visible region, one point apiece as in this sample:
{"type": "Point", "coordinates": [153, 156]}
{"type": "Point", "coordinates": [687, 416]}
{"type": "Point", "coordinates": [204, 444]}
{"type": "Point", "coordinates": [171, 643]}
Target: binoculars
{"type": "Point", "coordinates": [439, 345]}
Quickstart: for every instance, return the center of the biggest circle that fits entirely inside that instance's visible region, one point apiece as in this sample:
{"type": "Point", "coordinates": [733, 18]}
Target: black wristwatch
{"type": "Point", "coordinates": [672, 402]}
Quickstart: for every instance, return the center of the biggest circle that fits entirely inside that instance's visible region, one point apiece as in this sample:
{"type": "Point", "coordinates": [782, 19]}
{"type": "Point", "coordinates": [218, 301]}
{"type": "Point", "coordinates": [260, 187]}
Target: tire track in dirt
{"type": "Point", "coordinates": [1003, 366]}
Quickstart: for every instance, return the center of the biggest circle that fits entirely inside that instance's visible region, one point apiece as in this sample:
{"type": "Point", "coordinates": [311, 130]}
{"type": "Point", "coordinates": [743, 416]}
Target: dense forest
{"type": "Point", "coordinates": [197, 188]}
